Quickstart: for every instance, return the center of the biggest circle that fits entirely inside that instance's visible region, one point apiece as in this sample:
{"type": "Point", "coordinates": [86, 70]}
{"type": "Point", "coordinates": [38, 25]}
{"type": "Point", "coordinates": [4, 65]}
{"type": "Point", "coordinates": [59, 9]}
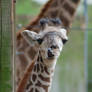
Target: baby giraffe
{"type": "Point", "coordinates": [50, 42]}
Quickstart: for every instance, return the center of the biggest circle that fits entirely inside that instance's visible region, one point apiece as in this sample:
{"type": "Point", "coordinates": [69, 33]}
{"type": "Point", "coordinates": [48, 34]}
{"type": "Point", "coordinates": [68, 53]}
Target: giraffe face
{"type": "Point", "coordinates": [51, 46]}
{"type": "Point", "coordinates": [53, 42]}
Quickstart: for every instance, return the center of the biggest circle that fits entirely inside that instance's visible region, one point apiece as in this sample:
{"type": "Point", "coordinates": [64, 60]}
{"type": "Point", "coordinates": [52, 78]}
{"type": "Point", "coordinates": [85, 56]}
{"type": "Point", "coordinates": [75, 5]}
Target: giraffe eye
{"type": "Point", "coordinates": [54, 47]}
{"type": "Point", "coordinates": [64, 41]}
{"type": "Point", "coordinates": [39, 40]}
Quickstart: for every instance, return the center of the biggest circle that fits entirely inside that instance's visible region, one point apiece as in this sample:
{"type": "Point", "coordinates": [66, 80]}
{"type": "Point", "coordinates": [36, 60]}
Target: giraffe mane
{"type": "Point", "coordinates": [26, 76]}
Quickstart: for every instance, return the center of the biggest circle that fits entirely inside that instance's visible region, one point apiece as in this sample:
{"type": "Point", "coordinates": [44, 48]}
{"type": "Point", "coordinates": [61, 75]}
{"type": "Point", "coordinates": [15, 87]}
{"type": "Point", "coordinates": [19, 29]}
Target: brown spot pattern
{"type": "Point", "coordinates": [54, 4]}
{"type": "Point", "coordinates": [54, 13]}
{"type": "Point", "coordinates": [36, 90]}
{"type": "Point", "coordinates": [65, 20]}
{"type": "Point", "coordinates": [43, 86]}
{"type": "Point", "coordinates": [32, 53]}
{"type": "Point", "coordinates": [38, 59]}
{"type": "Point", "coordinates": [47, 79]}
{"type": "Point", "coordinates": [38, 68]}
{"type": "Point", "coordinates": [41, 67]}
{"type": "Point", "coordinates": [41, 59]}
{"type": "Point", "coordinates": [35, 69]}
{"type": "Point", "coordinates": [75, 1]}
{"type": "Point", "coordinates": [23, 46]}
{"type": "Point", "coordinates": [45, 68]}
{"type": "Point", "coordinates": [69, 8]}
{"type": "Point", "coordinates": [23, 60]}
{"type": "Point", "coordinates": [34, 77]}
{"type": "Point", "coordinates": [31, 90]}
{"type": "Point", "coordinates": [29, 84]}
{"type": "Point", "coordinates": [61, 2]}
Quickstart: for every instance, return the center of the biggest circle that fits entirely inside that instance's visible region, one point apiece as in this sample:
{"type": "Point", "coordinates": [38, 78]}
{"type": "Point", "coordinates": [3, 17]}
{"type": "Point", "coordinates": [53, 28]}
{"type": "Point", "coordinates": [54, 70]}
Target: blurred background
{"type": "Point", "coordinates": [74, 67]}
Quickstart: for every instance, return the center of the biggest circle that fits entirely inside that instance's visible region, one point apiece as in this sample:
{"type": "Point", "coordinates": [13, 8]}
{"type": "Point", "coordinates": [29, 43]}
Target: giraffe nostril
{"type": "Point", "coordinates": [50, 54]}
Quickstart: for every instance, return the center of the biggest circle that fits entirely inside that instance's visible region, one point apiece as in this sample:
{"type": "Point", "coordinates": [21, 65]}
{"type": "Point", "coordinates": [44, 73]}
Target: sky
{"type": "Point", "coordinates": [89, 1]}
{"type": "Point", "coordinates": [41, 1]}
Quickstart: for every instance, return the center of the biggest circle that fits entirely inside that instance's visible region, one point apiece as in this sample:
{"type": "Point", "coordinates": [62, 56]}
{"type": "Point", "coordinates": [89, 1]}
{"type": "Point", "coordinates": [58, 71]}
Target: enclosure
{"type": "Point", "coordinates": [73, 71]}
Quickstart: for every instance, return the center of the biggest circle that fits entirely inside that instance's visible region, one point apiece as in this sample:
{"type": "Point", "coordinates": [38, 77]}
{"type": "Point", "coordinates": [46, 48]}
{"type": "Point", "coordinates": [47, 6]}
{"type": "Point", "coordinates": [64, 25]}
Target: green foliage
{"type": "Point", "coordinates": [27, 7]}
{"type": "Point", "coordinates": [90, 16]}
{"type": "Point", "coordinates": [71, 63]}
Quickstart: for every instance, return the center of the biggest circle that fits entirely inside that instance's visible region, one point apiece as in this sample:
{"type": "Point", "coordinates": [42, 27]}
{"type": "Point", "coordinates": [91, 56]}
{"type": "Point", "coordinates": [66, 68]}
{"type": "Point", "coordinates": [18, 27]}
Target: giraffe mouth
{"type": "Point", "coordinates": [50, 58]}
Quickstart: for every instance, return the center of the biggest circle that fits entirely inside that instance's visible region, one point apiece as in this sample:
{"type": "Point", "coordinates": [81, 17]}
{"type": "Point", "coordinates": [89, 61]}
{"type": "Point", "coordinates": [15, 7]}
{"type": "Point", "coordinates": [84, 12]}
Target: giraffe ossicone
{"type": "Point", "coordinates": [50, 42]}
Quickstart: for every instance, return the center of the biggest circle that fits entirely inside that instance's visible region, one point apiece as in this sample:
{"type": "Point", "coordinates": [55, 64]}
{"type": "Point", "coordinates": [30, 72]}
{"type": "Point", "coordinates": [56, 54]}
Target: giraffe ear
{"type": "Point", "coordinates": [63, 35]}
{"type": "Point", "coordinates": [30, 36]}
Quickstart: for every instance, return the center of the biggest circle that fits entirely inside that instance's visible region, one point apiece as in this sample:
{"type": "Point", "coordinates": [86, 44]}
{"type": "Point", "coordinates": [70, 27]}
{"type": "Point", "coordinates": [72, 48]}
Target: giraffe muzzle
{"type": "Point", "coordinates": [50, 54]}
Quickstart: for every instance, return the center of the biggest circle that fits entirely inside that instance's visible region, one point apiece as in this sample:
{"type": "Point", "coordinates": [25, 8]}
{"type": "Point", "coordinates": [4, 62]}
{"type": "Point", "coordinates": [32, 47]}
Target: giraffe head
{"type": "Point", "coordinates": [50, 40]}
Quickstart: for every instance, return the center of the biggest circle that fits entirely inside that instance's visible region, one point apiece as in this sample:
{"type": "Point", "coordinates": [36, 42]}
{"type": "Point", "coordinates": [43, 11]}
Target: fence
{"type": "Point", "coordinates": [7, 45]}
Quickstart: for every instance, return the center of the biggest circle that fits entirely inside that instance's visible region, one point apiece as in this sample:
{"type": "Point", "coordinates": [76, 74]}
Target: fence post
{"type": "Point", "coordinates": [86, 44]}
{"type": "Point", "coordinates": [7, 40]}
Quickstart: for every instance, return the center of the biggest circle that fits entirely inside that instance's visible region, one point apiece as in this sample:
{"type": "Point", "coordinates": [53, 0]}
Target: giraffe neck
{"type": "Point", "coordinates": [63, 9]}
{"type": "Point", "coordinates": [41, 77]}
